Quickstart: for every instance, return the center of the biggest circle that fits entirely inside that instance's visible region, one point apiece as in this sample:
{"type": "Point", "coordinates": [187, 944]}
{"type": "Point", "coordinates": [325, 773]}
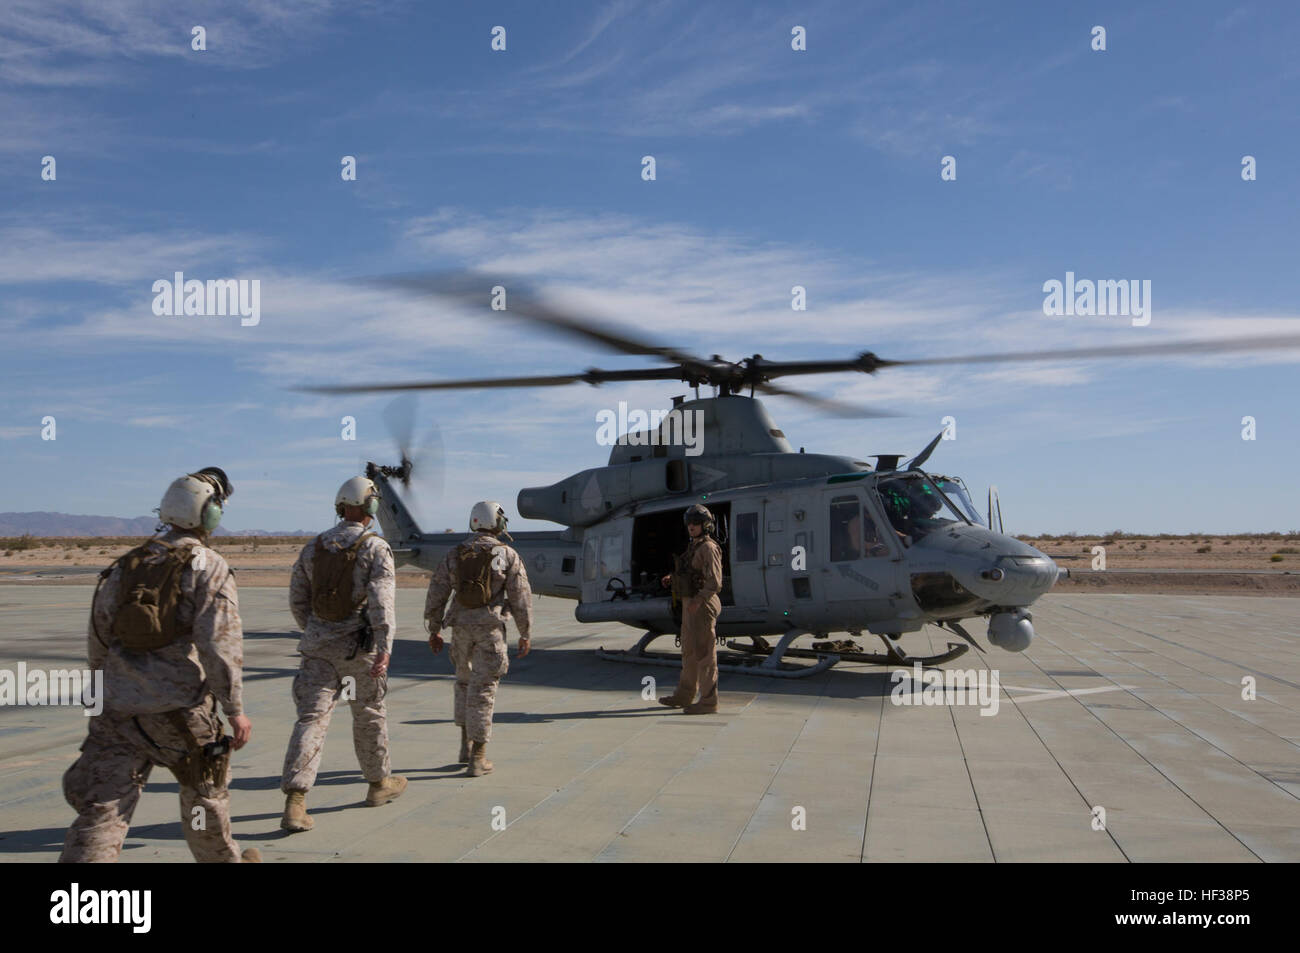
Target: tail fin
{"type": "Point", "coordinates": [400, 528]}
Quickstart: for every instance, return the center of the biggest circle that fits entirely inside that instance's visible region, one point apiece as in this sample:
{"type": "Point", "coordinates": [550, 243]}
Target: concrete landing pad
{"type": "Point", "coordinates": [1122, 734]}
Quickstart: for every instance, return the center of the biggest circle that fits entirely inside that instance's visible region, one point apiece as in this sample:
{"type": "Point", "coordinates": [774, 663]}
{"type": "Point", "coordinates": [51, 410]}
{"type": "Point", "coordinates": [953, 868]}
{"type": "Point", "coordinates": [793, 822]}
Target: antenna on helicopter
{"type": "Point", "coordinates": [920, 458]}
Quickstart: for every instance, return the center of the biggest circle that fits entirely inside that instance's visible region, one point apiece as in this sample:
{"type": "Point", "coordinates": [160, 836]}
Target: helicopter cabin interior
{"type": "Point", "coordinates": [658, 537]}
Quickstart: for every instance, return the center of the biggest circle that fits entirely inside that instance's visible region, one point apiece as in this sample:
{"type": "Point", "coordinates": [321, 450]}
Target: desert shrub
{"type": "Point", "coordinates": [1203, 549]}
{"type": "Point", "coordinates": [1288, 550]}
{"type": "Point", "coordinates": [1275, 558]}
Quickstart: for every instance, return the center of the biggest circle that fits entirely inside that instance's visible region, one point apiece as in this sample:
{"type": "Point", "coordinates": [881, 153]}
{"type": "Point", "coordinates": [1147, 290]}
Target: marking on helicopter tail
{"type": "Point", "coordinates": [858, 577]}
{"type": "Point", "coordinates": [591, 496]}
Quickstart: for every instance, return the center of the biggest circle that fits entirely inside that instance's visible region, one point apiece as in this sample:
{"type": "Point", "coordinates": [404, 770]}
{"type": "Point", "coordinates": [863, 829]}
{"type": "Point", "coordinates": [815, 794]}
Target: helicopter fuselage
{"type": "Point", "coordinates": [834, 547]}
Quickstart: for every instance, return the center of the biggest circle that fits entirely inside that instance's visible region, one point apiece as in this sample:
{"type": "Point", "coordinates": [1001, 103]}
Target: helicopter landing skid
{"type": "Point", "coordinates": [893, 654]}
{"type": "Point", "coordinates": [765, 662]}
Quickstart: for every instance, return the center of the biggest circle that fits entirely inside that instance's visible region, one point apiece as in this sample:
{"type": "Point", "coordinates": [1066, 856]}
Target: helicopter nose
{"type": "Point", "coordinates": [1019, 580]}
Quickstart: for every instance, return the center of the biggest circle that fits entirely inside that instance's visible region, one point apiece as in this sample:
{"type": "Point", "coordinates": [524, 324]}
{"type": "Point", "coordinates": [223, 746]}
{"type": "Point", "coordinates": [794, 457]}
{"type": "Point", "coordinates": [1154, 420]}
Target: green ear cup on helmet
{"type": "Point", "coordinates": [211, 516]}
{"type": "Point", "coordinates": [372, 506]}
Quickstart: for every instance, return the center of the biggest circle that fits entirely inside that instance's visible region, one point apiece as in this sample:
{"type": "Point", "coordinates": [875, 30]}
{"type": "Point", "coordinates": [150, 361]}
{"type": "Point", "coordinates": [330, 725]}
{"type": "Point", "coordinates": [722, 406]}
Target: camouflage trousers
{"type": "Point", "coordinates": [479, 654]}
{"type": "Point", "coordinates": [317, 688]}
{"type": "Point", "coordinates": [104, 786]}
{"type": "Point", "coordinates": [699, 655]}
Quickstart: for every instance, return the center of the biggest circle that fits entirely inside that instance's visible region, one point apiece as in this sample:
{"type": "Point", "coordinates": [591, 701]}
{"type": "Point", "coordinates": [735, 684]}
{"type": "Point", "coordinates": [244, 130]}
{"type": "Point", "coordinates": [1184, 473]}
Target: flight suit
{"type": "Point", "coordinates": [158, 706]}
{"type": "Point", "coordinates": [333, 663]}
{"type": "Point", "coordinates": [478, 642]}
{"type": "Point", "coordinates": [701, 578]}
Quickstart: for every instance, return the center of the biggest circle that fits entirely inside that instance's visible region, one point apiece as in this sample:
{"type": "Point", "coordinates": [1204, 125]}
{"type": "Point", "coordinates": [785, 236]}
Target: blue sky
{"type": "Point", "coordinates": [774, 168]}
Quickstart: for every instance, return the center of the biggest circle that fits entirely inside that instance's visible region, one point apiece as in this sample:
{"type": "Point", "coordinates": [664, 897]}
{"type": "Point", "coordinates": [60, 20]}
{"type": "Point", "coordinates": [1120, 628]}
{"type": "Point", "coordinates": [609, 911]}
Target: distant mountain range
{"type": "Point", "coordinates": [66, 524]}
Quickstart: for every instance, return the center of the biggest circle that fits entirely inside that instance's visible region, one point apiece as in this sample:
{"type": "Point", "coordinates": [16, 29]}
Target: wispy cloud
{"type": "Point", "coordinates": [163, 421]}
{"type": "Point", "coordinates": [93, 42]}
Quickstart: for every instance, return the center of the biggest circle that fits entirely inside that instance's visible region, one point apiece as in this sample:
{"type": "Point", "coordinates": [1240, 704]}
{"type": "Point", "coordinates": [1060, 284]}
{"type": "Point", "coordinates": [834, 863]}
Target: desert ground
{"type": "Point", "coordinates": [1128, 704]}
{"type": "Point", "coordinates": [1267, 564]}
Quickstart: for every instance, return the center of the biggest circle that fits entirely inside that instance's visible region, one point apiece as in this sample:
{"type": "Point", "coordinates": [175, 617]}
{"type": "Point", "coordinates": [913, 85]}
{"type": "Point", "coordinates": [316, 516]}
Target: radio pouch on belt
{"type": "Point", "coordinates": [204, 766]}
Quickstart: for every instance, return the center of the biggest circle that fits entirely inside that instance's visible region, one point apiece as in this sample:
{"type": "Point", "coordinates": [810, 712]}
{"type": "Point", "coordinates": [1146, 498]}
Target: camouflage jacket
{"type": "Point", "coordinates": [511, 594]}
{"type": "Point", "coordinates": [374, 576]}
{"type": "Point", "coordinates": [207, 656]}
{"type": "Point", "coordinates": [703, 557]}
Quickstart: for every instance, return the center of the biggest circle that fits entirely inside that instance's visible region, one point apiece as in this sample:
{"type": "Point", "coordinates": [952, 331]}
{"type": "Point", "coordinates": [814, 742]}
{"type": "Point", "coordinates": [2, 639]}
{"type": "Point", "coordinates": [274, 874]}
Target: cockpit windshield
{"type": "Point", "coordinates": [913, 506]}
{"type": "Point", "coordinates": [955, 490]}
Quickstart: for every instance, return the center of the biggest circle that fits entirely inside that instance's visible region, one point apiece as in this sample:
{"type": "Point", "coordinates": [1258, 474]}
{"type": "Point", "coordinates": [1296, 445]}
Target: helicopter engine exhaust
{"type": "Point", "coordinates": [1012, 631]}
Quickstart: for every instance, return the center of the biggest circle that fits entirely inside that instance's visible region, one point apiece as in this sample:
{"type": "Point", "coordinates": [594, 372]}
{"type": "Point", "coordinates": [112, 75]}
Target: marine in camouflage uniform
{"type": "Point", "coordinates": [697, 581]}
{"type": "Point", "coordinates": [478, 642]}
{"type": "Point", "coordinates": [159, 706]}
{"type": "Point", "coordinates": [335, 665]}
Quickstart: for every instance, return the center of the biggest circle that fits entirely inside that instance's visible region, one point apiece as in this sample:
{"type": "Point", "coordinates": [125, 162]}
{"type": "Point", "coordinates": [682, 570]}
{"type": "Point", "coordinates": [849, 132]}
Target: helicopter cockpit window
{"type": "Point", "coordinates": [853, 532]}
{"type": "Point", "coordinates": [846, 528]}
{"type": "Point", "coordinates": [914, 507]}
{"type": "Point", "coordinates": [956, 491]}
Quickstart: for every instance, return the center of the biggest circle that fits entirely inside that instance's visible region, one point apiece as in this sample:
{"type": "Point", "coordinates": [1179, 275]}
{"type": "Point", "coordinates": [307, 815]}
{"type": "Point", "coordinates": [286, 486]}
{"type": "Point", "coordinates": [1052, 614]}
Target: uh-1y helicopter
{"type": "Point", "coordinates": [812, 544]}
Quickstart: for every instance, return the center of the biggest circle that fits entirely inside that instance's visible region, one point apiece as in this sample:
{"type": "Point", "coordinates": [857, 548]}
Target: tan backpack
{"type": "Point", "coordinates": [148, 595]}
{"type": "Point", "coordinates": [332, 598]}
{"type": "Point", "coordinates": [473, 576]}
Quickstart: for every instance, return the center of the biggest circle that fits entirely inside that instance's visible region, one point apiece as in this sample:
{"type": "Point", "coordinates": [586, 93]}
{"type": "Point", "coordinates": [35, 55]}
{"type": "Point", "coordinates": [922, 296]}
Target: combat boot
{"type": "Point", "coordinates": [478, 762]}
{"type": "Point", "coordinates": [672, 701]}
{"type": "Point", "coordinates": [251, 855]}
{"type": "Point", "coordinates": [389, 789]}
{"type": "Point", "coordinates": [464, 746]}
{"type": "Point", "coordinates": [295, 813]}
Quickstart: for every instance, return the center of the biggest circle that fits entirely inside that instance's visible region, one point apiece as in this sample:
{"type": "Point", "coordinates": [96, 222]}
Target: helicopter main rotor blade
{"type": "Point", "coordinates": [474, 289]}
{"type": "Point", "coordinates": [758, 368]}
{"type": "Point", "coordinates": [839, 408]}
{"type": "Point", "coordinates": [593, 376]}
{"type": "Point", "coordinates": [1157, 348]}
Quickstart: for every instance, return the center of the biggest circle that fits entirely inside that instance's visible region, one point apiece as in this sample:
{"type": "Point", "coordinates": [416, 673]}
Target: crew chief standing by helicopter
{"type": "Point", "coordinates": [697, 581]}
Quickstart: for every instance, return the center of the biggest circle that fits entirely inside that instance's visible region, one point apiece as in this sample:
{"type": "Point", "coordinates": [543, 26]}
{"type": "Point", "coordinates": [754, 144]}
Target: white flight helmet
{"type": "Point", "coordinates": [488, 516]}
{"type": "Point", "coordinates": [358, 491]}
{"type": "Point", "coordinates": [191, 503]}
